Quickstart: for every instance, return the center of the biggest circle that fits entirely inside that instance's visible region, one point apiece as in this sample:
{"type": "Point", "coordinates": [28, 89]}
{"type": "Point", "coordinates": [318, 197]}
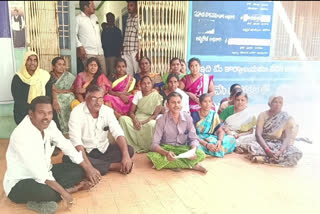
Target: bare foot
{"type": "Point", "coordinates": [84, 185]}
{"type": "Point", "coordinates": [200, 168]}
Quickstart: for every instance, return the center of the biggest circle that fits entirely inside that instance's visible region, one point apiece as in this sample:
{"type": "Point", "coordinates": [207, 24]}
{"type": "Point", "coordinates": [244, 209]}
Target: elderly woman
{"type": "Point", "coordinates": [213, 141]}
{"type": "Point", "coordinates": [92, 75]}
{"type": "Point", "coordinates": [145, 70]}
{"type": "Point", "coordinates": [238, 119]}
{"type": "Point", "coordinates": [62, 92]}
{"type": "Point", "coordinates": [275, 134]}
{"type": "Point", "coordinates": [31, 81]}
{"type": "Point", "coordinates": [173, 83]}
{"type": "Point", "coordinates": [196, 84]}
{"type": "Point", "coordinates": [230, 100]}
{"type": "Point", "coordinates": [139, 126]}
{"type": "Point", "coordinates": [175, 67]}
{"type": "Point", "coordinates": [119, 97]}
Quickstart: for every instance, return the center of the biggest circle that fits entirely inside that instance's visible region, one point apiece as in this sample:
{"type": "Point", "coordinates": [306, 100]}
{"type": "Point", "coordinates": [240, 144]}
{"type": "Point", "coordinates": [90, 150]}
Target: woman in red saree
{"type": "Point", "coordinates": [120, 97]}
{"type": "Point", "coordinates": [196, 84]}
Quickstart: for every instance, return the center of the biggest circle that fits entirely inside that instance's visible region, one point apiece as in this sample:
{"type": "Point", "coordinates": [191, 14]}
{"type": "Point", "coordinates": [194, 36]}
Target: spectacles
{"type": "Point", "coordinates": [96, 99]}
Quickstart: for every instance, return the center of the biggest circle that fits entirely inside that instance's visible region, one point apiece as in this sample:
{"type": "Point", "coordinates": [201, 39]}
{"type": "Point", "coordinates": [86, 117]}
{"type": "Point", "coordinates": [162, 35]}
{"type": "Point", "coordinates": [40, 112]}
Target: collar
{"type": "Point", "coordinates": [131, 16]}
{"type": "Point", "coordinates": [83, 14]}
{"type": "Point", "coordinates": [86, 110]}
{"type": "Point", "coordinates": [30, 124]}
{"type": "Point", "coordinates": [181, 116]}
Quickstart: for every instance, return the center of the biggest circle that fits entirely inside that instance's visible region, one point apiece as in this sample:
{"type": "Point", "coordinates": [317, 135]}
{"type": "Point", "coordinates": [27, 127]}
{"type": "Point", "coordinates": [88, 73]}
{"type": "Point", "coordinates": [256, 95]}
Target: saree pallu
{"type": "Point", "coordinates": [80, 82]}
{"type": "Point", "coordinates": [64, 99]}
{"type": "Point", "coordinates": [141, 140]}
{"type": "Point", "coordinates": [165, 77]}
{"type": "Point", "coordinates": [198, 87]}
{"type": "Point", "coordinates": [271, 127]}
{"type": "Point", "coordinates": [206, 130]}
{"type": "Point", "coordinates": [123, 84]}
{"type": "Point", "coordinates": [240, 122]}
{"type": "Point", "coordinates": [161, 162]}
{"type": "Point", "coordinates": [156, 81]}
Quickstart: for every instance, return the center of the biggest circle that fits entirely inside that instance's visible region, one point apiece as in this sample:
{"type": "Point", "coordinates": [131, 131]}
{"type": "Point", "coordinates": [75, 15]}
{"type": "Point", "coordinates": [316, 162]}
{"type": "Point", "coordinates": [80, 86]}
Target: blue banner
{"type": "Point", "coordinates": [231, 28]}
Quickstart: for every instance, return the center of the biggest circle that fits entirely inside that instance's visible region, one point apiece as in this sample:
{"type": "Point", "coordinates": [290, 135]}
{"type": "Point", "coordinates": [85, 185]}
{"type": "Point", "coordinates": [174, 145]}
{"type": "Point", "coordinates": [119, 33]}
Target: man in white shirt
{"type": "Point", "coordinates": [30, 177]}
{"type": "Point", "coordinates": [88, 35]}
{"type": "Point", "coordinates": [89, 125]}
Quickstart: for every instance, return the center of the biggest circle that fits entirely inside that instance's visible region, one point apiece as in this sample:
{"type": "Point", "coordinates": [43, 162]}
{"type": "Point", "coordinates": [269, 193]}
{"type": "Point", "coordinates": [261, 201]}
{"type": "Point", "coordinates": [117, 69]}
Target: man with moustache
{"type": "Point", "coordinates": [175, 134]}
{"type": "Point", "coordinates": [89, 126]}
{"type": "Point", "coordinates": [30, 177]}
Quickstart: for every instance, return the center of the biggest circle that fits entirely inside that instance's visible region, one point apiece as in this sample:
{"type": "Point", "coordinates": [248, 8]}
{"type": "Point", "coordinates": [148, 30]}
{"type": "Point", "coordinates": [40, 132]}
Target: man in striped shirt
{"type": "Point", "coordinates": [131, 42]}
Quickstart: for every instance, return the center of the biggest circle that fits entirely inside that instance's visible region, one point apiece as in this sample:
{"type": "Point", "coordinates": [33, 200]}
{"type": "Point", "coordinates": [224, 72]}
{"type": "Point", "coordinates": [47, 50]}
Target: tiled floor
{"type": "Point", "coordinates": [232, 185]}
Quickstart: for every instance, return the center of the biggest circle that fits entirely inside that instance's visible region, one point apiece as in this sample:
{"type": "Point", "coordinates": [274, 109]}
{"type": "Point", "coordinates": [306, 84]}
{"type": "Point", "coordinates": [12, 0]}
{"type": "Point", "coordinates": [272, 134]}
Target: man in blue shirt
{"type": "Point", "coordinates": [111, 39]}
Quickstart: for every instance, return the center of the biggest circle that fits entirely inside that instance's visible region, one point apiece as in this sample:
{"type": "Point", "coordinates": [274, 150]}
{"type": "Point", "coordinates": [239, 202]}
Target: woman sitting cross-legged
{"type": "Point", "coordinates": [139, 126]}
{"type": "Point", "coordinates": [62, 92]}
{"type": "Point", "coordinates": [119, 97]}
{"type": "Point", "coordinates": [175, 136]}
{"type": "Point", "coordinates": [213, 139]}
{"type": "Point", "coordinates": [92, 75]}
{"type": "Point", "coordinates": [238, 120]}
{"type": "Point", "coordinates": [275, 134]}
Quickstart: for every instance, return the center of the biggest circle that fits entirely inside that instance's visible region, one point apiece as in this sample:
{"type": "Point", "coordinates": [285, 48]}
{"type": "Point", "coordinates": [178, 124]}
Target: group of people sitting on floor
{"type": "Point", "coordinates": [175, 122]}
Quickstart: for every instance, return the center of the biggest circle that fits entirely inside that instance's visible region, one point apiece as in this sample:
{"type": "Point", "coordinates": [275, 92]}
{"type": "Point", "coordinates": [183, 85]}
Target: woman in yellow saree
{"type": "Point", "coordinates": [120, 97]}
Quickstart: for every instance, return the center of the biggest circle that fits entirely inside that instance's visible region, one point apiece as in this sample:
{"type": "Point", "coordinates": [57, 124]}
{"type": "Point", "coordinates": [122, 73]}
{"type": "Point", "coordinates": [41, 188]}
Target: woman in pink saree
{"type": "Point", "coordinates": [120, 97]}
{"type": "Point", "coordinates": [196, 84]}
{"type": "Point", "coordinates": [92, 75]}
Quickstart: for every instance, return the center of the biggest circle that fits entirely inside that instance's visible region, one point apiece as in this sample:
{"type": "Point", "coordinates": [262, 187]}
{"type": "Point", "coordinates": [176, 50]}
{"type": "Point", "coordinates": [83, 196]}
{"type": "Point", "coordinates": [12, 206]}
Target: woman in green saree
{"type": "Point", "coordinates": [62, 92]}
{"type": "Point", "coordinates": [139, 126]}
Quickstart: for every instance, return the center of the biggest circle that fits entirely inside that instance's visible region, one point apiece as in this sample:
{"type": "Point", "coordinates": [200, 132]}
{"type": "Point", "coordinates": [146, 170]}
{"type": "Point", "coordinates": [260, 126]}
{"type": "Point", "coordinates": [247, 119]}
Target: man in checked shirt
{"type": "Point", "coordinates": [131, 42]}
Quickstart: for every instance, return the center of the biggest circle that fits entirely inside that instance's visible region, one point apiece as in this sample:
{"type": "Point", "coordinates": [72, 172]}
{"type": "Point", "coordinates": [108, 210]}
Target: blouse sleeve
{"type": "Point", "coordinates": [78, 82]}
{"type": "Point", "coordinates": [225, 114]}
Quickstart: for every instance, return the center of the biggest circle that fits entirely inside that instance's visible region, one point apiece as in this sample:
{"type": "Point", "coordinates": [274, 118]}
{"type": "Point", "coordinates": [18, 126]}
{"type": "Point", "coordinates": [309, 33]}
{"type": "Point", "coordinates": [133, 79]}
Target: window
{"type": "Point", "coordinates": [64, 24]}
{"type": "Point", "coordinates": [304, 20]}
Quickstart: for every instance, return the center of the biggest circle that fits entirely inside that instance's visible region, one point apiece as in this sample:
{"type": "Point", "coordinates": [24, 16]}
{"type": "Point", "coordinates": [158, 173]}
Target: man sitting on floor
{"type": "Point", "coordinates": [176, 134]}
{"type": "Point", "coordinates": [89, 125]}
{"type": "Point", "coordinates": [30, 177]}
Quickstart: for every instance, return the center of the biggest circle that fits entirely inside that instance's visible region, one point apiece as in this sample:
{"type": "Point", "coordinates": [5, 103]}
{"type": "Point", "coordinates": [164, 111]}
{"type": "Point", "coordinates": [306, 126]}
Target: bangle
{"type": "Point", "coordinates": [207, 145]}
{"type": "Point", "coordinates": [267, 149]}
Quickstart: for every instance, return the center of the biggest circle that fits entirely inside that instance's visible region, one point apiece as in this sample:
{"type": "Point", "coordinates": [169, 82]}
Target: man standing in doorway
{"type": "Point", "coordinates": [88, 34]}
{"type": "Point", "coordinates": [111, 39]}
{"type": "Point", "coordinates": [131, 42]}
